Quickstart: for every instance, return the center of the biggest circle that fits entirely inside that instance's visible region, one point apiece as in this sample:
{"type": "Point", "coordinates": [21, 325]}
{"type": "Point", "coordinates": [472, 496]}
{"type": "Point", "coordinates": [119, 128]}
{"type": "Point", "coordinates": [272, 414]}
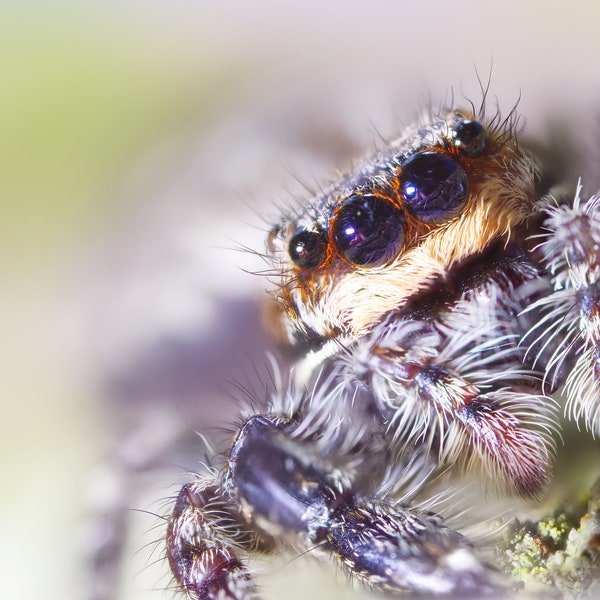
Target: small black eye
{"type": "Point", "coordinates": [308, 249]}
{"type": "Point", "coordinates": [368, 230]}
{"type": "Point", "coordinates": [434, 186]}
{"type": "Point", "coordinates": [471, 138]}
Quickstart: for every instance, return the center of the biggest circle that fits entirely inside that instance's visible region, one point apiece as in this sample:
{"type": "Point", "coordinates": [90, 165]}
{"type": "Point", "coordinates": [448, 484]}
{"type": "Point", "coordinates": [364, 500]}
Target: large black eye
{"type": "Point", "coordinates": [471, 138]}
{"type": "Point", "coordinates": [308, 248]}
{"type": "Point", "coordinates": [368, 230]}
{"type": "Point", "coordinates": [434, 186]}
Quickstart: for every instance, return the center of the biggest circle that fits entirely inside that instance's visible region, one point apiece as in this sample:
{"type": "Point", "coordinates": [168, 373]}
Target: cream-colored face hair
{"type": "Point", "coordinates": [444, 191]}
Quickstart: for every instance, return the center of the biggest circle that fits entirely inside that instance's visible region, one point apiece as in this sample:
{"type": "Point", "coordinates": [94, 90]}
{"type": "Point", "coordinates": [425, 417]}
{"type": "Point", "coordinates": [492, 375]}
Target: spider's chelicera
{"type": "Point", "coordinates": [437, 298]}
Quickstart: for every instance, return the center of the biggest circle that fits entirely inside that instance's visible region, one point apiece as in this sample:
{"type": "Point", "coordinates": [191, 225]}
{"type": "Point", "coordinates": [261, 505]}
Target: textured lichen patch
{"type": "Point", "coordinates": [559, 555]}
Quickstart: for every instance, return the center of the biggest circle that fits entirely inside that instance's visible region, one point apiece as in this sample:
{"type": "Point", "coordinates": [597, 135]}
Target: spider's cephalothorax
{"type": "Point", "coordinates": [399, 225]}
{"type": "Point", "coordinates": [431, 328]}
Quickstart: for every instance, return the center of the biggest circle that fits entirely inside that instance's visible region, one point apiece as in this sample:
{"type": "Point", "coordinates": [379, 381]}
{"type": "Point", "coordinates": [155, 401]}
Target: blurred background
{"type": "Point", "coordinates": [141, 143]}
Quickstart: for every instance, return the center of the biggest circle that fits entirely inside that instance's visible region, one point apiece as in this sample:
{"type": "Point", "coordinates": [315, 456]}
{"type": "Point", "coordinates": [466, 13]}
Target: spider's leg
{"type": "Point", "coordinates": [204, 539]}
{"type": "Point", "coordinates": [396, 548]}
{"type": "Point", "coordinates": [303, 478]}
{"type": "Point", "coordinates": [571, 250]}
{"type": "Point", "coordinates": [292, 494]}
{"type": "Point", "coordinates": [456, 379]}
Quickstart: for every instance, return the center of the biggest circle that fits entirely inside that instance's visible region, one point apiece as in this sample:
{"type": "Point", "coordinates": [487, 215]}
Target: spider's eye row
{"type": "Point", "coordinates": [308, 249]}
{"type": "Point", "coordinates": [368, 230]}
{"type": "Point", "coordinates": [471, 138]}
{"type": "Point", "coordinates": [434, 186]}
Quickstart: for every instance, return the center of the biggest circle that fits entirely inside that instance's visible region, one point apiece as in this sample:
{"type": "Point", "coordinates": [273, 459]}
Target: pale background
{"type": "Point", "coordinates": [138, 141]}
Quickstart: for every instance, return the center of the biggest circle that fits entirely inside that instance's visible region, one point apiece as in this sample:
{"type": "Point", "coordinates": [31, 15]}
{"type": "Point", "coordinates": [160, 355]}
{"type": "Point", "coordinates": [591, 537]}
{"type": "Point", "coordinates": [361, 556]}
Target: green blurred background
{"type": "Point", "coordinates": [89, 90]}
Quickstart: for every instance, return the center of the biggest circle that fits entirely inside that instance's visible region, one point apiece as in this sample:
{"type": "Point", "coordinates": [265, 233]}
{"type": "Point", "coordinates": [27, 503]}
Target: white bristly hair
{"type": "Point", "coordinates": [459, 384]}
{"type": "Point", "coordinates": [571, 321]}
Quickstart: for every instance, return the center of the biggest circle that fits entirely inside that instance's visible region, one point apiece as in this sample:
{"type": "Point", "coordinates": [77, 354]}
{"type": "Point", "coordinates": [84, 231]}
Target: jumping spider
{"type": "Point", "coordinates": [436, 295]}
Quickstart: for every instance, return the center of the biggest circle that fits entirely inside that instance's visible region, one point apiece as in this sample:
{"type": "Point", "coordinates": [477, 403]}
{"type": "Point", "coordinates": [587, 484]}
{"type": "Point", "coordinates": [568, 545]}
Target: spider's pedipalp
{"type": "Point", "coordinates": [457, 382]}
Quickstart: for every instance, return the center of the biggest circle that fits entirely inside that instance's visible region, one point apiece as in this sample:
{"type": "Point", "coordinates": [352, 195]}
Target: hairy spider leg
{"type": "Point", "coordinates": [453, 374]}
{"type": "Point", "coordinates": [204, 540]}
{"type": "Point", "coordinates": [571, 250]}
{"type": "Point", "coordinates": [290, 495]}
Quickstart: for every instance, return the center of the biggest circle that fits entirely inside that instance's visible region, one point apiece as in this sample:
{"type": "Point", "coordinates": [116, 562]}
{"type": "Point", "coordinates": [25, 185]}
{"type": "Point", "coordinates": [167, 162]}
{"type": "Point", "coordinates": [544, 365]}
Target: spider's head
{"type": "Point", "coordinates": [398, 223]}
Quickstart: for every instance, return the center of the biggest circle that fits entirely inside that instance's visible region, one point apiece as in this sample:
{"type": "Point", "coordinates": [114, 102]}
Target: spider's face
{"type": "Point", "coordinates": [396, 225]}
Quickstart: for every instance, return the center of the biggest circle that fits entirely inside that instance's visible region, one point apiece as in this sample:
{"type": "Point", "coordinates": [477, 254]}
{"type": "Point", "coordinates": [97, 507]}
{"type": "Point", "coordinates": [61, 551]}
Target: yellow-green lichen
{"type": "Point", "coordinates": [559, 555]}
